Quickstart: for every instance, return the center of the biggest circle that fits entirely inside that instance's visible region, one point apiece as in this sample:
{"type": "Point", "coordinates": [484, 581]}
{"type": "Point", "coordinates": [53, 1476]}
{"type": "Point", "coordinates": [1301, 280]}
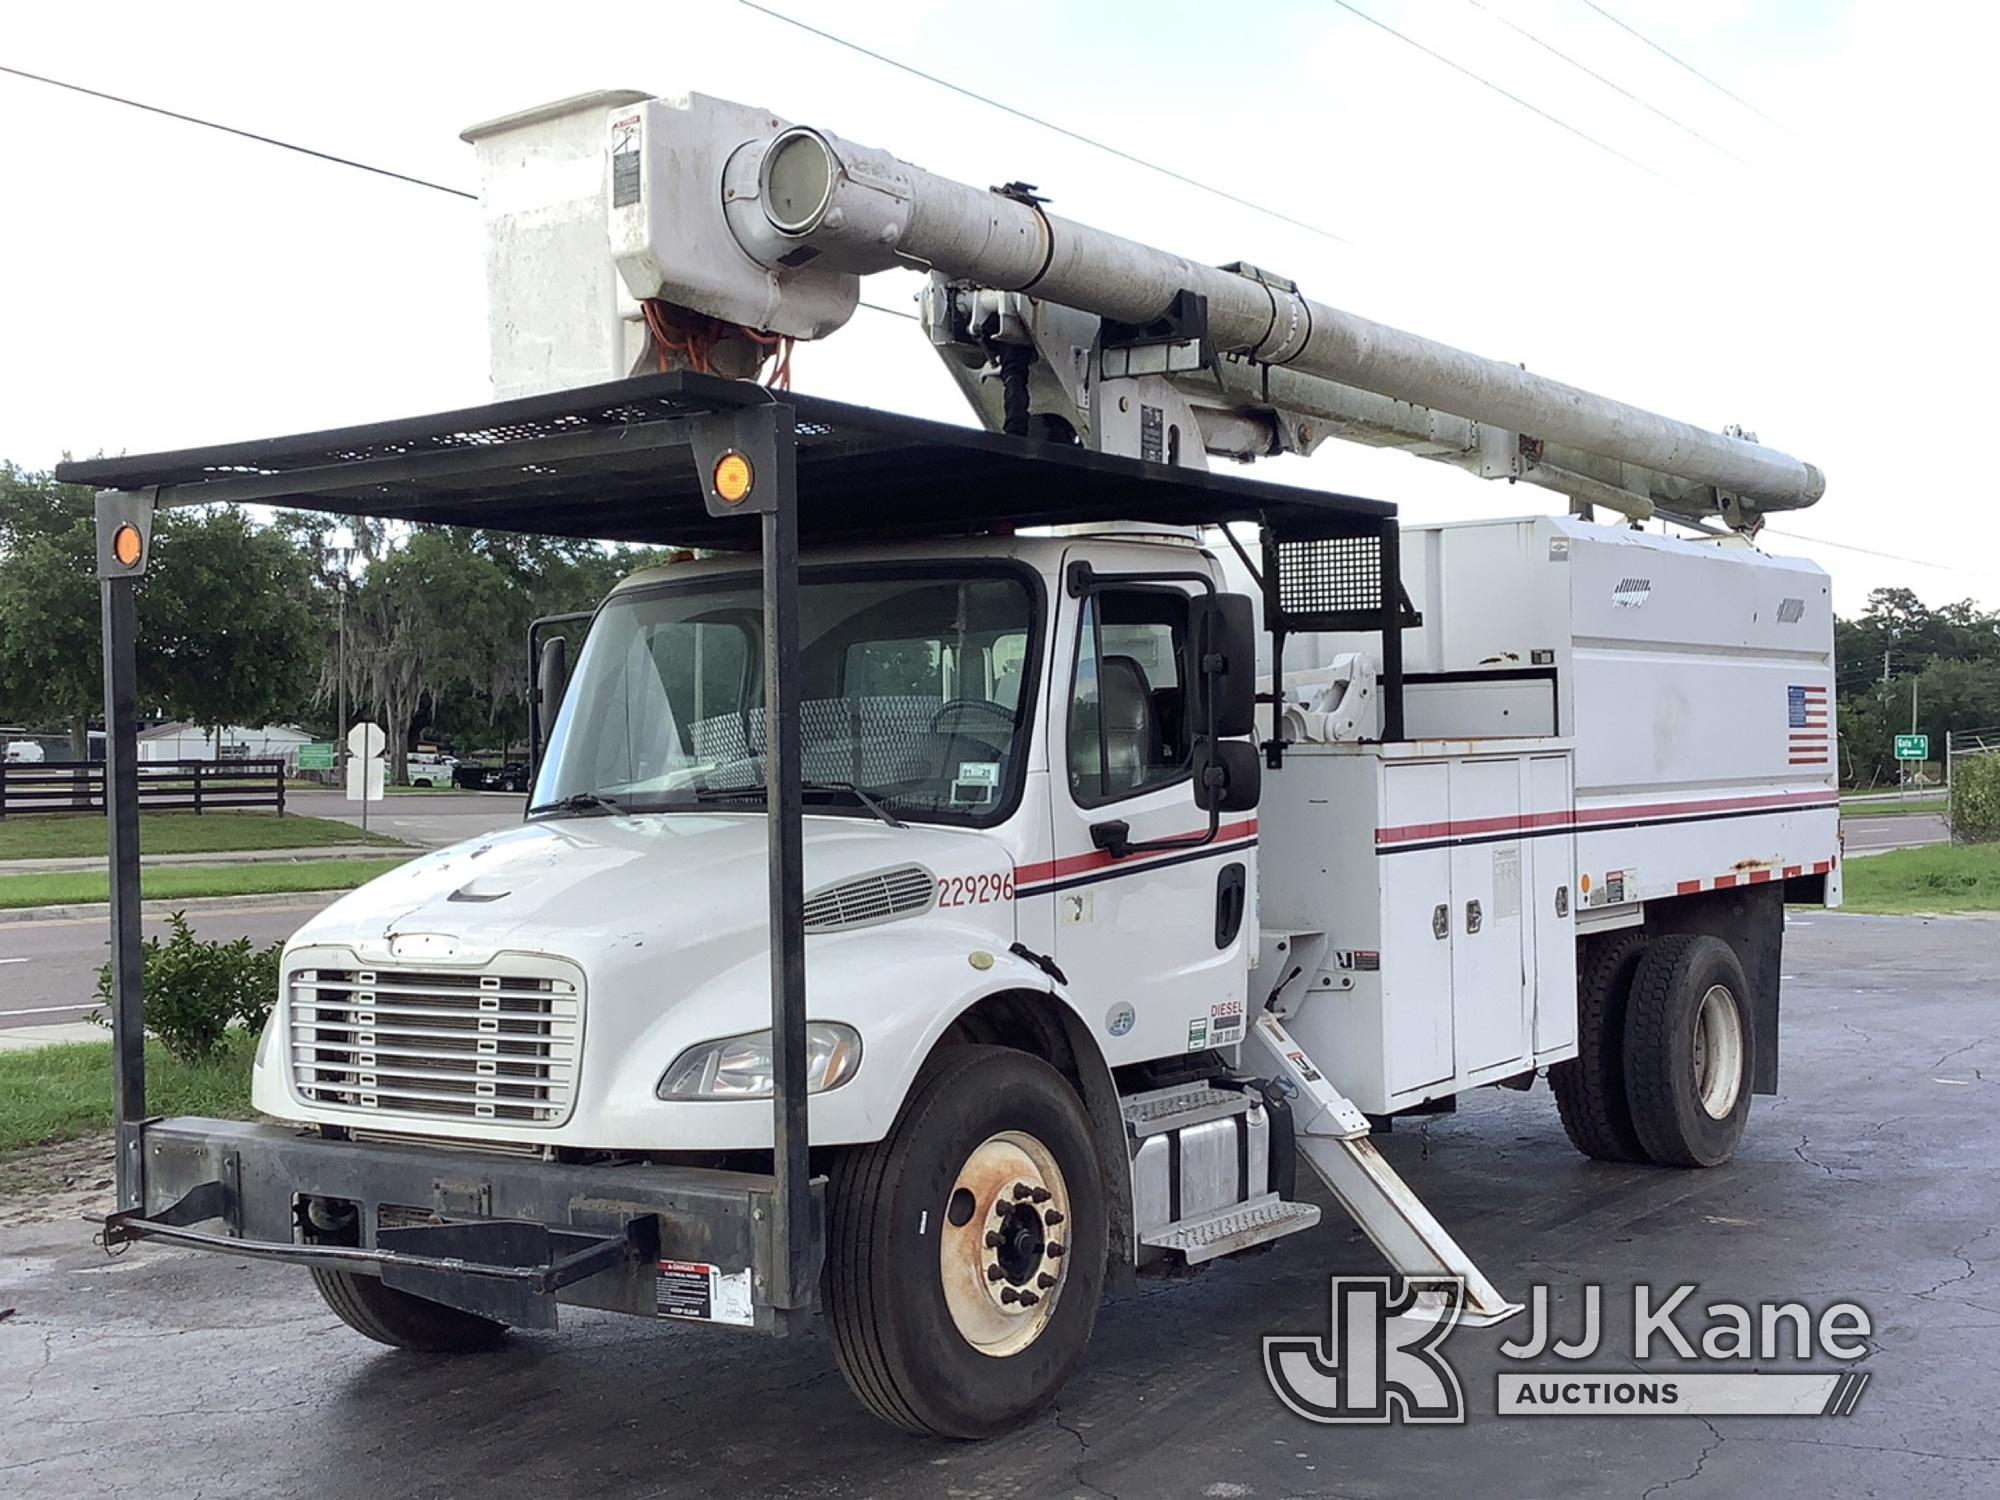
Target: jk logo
{"type": "Point", "coordinates": [1379, 1362]}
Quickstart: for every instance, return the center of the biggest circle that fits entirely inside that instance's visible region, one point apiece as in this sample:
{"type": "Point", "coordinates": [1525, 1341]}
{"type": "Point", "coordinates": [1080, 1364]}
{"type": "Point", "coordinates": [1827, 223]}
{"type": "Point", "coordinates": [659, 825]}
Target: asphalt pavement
{"type": "Point", "coordinates": [1871, 1177]}
{"type": "Point", "coordinates": [1861, 834]}
{"type": "Point", "coordinates": [433, 818]}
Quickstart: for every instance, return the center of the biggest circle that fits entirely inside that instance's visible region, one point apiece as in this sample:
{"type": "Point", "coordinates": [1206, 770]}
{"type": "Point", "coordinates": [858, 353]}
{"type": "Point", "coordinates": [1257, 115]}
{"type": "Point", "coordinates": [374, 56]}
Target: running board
{"type": "Point", "coordinates": [1333, 1135]}
{"type": "Point", "coordinates": [1228, 1230]}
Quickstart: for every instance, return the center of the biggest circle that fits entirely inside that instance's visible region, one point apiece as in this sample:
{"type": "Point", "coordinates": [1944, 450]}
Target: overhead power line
{"type": "Point", "coordinates": [1486, 83]}
{"type": "Point", "coordinates": [1612, 84]}
{"type": "Point", "coordinates": [248, 135]}
{"type": "Point", "coordinates": [1681, 62]}
{"type": "Point", "coordinates": [1050, 125]}
{"type": "Point", "coordinates": [326, 156]}
{"type": "Point", "coordinates": [1919, 562]}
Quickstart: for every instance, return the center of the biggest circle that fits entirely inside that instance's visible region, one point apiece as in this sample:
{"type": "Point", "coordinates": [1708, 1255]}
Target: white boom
{"type": "Point", "coordinates": [700, 205]}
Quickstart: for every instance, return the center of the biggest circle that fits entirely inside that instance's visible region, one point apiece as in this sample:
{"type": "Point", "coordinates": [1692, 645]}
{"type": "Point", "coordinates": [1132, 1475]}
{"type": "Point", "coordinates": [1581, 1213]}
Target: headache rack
{"type": "Point", "coordinates": [632, 461]}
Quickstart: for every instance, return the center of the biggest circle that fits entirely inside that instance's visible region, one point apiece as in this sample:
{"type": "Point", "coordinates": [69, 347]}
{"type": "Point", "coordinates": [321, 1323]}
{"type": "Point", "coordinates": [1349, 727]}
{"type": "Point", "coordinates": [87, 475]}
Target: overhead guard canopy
{"type": "Point", "coordinates": [613, 461]}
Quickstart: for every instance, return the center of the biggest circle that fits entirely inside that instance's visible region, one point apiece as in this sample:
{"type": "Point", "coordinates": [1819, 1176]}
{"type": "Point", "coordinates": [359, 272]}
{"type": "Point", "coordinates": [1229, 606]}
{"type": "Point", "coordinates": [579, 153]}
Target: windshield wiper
{"type": "Point", "coordinates": [857, 794]}
{"type": "Point", "coordinates": [756, 794]}
{"type": "Point", "coordinates": [580, 802]}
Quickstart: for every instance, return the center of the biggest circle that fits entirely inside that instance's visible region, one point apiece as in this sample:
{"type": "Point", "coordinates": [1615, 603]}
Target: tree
{"type": "Point", "coordinates": [225, 631]}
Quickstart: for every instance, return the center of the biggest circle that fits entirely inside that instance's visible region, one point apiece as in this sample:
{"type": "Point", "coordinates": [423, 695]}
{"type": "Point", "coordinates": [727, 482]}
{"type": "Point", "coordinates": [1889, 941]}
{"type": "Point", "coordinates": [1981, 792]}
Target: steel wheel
{"type": "Point", "coordinates": [1000, 1253]}
{"type": "Point", "coordinates": [1718, 1052]}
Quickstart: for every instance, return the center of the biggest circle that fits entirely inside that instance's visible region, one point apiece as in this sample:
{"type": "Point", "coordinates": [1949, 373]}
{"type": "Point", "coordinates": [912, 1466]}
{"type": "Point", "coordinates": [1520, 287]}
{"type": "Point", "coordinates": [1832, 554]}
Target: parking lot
{"type": "Point", "coordinates": [1870, 1177]}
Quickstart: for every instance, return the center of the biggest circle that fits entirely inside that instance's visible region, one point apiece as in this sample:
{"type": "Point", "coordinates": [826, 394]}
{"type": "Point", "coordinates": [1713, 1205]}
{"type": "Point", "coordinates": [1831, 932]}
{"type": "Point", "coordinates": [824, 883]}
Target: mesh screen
{"type": "Point", "coordinates": [1330, 575]}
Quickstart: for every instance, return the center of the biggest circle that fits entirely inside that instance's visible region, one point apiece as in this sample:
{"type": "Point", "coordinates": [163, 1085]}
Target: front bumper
{"type": "Point", "coordinates": [501, 1236]}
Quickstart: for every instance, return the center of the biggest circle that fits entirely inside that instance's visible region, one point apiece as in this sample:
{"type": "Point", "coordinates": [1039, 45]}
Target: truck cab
{"type": "Point", "coordinates": [975, 736]}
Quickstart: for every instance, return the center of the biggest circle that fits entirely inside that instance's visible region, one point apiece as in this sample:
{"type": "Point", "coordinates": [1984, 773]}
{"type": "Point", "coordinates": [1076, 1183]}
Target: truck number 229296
{"type": "Point", "coordinates": [975, 890]}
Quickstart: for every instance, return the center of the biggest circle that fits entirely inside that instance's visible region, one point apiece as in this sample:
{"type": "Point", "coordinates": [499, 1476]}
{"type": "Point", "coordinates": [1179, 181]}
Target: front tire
{"type": "Point", "coordinates": [402, 1321]}
{"type": "Point", "coordinates": [966, 1250]}
{"type": "Point", "coordinates": [1689, 1051]}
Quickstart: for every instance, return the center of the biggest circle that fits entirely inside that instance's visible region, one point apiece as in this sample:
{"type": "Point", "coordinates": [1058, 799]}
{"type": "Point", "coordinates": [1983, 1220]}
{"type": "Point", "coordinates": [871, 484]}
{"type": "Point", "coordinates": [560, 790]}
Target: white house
{"type": "Point", "coordinates": [177, 741]}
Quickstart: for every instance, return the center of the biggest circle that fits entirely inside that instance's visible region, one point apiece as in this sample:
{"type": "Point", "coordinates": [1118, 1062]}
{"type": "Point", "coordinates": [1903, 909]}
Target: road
{"type": "Point", "coordinates": [1862, 834]}
{"type": "Point", "coordinates": [1870, 1178]}
{"type": "Point", "coordinates": [433, 818]}
{"type": "Point", "coordinates": [48, 970]}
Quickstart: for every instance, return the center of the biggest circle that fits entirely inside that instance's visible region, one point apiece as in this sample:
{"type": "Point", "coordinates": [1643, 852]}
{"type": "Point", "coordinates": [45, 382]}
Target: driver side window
{"type": "Point", "coordinates": [1128, 729]}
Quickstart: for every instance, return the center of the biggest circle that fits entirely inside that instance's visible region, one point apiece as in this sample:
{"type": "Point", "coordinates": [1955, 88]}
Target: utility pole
{"type": "Point", "coordinates": [340, 672]}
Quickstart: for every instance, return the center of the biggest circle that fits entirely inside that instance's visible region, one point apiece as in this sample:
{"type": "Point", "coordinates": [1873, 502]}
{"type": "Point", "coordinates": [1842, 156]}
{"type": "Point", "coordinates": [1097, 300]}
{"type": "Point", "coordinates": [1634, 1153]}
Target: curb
{"type": "Point", "coordinates": [314, 854]}
{"type": "Point", "coordinates": [192, 905]}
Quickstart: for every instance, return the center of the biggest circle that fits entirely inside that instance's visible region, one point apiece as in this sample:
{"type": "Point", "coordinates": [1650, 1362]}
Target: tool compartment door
{"type": "Point", "coordinates": [1551, 902]}
{"type": "Point", "coordinates": [1416, 955]}
{"type": "Point", "coordinates": [1489, 948]}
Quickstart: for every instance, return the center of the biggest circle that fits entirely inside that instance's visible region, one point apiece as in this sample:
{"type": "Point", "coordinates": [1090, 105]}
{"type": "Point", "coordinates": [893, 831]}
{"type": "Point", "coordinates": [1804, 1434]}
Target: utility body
{"type": "Point", "coordinates": [993, 868]}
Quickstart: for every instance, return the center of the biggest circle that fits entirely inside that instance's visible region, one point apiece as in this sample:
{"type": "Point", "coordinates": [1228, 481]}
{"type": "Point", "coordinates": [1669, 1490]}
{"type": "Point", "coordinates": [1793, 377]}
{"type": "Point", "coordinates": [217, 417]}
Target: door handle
{"type": "Point", "coordinates": [1230, 891]}
{"type": "Point", "coordinates": [1472, 916]}
{"type": "Point", "coordinates": [1441, 921]}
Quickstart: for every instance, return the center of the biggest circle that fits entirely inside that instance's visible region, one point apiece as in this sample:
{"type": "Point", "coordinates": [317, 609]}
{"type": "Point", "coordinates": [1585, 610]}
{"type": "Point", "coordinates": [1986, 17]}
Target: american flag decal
{"type": "Point", "coordinates": [1809, 744]}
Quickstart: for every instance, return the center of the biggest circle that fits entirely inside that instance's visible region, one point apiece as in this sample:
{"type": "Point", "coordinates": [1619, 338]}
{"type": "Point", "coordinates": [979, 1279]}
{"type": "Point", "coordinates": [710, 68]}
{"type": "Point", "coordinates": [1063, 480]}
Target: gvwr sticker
{"type": "Point", "coordinates": [704, 1293]}
{"type": "Point", "coordinates": [1225, 1023]}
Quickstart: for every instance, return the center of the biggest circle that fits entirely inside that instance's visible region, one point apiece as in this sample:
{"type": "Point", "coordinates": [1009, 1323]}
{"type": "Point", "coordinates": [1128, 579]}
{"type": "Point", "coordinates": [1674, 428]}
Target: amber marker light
{"type": "Point", "coordinates": [126, 545]}
{"type": "Point", "coordinates": [732, 478]}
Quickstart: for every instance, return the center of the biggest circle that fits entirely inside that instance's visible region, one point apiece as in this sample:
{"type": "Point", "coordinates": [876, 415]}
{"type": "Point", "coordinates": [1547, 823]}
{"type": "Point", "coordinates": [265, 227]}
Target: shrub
{"type": "Point", "coordinates": [1974, 813]}
{"type": "Point", "coordinates": [194, 989]}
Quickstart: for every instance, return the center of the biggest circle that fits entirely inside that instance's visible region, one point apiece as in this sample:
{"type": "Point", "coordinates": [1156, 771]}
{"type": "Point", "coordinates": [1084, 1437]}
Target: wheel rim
{"type": "Point", "coordinates": [1718, 1052]}
{"type": "Point", "coordinates": [1001, 1252]}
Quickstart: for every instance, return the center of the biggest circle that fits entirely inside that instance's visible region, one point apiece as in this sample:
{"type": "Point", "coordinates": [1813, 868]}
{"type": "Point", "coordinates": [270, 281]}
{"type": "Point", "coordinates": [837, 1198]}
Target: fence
{"type": "Point", "coordinates": [164, 786]}
{"type": "Point", "coordinates": [1972, 785]}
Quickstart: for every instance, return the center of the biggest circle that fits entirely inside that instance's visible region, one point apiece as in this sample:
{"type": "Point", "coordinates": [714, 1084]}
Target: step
{"type": "Point", "coordinates": [1236, 1228]}
{"type": "Point", "coordinates": [1183, 1105]}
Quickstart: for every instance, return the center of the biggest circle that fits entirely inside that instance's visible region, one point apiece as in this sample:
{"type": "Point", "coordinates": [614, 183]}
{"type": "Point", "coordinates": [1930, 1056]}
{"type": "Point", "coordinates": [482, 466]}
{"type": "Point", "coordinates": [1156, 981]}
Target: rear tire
{"type": "Point", "coordinates": [1590, 1088]}
{"type": "Point", "coordinates": [1689, 1051]}
{"type": "Point", "coordinates": [402, 1321]}
{"type": "Point", "coordinates": [927, 1235]}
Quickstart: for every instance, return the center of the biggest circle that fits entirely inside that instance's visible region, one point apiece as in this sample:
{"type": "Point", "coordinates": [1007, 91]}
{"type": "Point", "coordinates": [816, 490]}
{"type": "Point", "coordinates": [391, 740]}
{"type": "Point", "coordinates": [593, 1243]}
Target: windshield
{"type": "Point", "coordinates": [913, 697]}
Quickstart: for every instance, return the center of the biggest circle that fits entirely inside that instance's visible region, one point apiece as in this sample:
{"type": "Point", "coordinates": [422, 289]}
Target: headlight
{"type": "Point", "coordinates": [739, 1067]}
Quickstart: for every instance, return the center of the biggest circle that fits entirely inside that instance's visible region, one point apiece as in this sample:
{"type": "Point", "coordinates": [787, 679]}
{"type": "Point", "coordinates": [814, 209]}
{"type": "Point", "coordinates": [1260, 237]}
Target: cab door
{"type": "Point", "coordinates": [1154, 944]}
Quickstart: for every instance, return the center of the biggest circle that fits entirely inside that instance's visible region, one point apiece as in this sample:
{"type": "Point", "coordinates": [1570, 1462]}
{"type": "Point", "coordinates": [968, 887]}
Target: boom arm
{"type": "Point", "coordinates": [739, 216]}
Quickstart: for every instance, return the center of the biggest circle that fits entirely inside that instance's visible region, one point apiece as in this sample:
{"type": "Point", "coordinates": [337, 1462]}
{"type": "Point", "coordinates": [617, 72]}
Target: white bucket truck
{"type": "Point", "coordinates": [1003, 896]}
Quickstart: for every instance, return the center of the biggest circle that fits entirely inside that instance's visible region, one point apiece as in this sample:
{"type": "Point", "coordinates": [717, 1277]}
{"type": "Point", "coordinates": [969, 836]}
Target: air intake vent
{"type": "Point", "coordinates": [881, 897]}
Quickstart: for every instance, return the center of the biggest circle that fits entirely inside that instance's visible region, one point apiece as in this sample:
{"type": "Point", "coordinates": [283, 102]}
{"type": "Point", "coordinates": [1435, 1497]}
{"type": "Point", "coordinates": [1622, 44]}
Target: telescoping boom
{"type": "Point", "coordinates": [733, 214]}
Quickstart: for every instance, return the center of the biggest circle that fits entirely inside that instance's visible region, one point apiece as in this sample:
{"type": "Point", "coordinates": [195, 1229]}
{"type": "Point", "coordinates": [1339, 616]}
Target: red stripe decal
{"type": "Point", "coordinates": [1724, 882]}
{"type": "Point", "coordinates": [1687, 888]}
{"type": "Point", "coordinates": [1471, 827]}
{"type": "Point", "coordinates": [1758, 877]}
{"type": "Point", "coordinates": [1098, 859]}
{"type": "Point", "coordinates": [1791, 870]}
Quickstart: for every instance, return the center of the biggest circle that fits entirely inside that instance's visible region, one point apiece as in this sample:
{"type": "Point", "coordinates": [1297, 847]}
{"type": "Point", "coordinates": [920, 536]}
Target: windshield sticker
{"type": "Point", "coordinates": [979, 773]}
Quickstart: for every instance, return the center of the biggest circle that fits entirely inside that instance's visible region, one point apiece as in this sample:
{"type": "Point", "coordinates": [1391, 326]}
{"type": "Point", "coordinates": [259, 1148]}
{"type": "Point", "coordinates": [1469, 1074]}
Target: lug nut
{"type": "Point", "coordinates": [1053, 1217]}
{"type": "Point", "coordinates": [1023, 1190]}
{"type": "Point", "coordinates": [1045, 1281]}
{"type": "Point", "coordinates": [994, 1273]}
{"type": "Point", "coordinates": [1041, 1195]}
{"type": "Point", "coordinates": [1008, 1294]}
{"type": "Point", "coordinates": [1029, 1299]}
{"type": "Point", "coordinates": [1052, 1250]}
{"type": "Point", "coordinates": [994, 1239]}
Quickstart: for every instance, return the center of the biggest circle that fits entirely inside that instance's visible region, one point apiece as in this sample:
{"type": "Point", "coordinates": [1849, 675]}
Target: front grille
{"type": "Point", "coordinates": [499, 1047]}
{"type": "Point", "coordinates": [872, 898]}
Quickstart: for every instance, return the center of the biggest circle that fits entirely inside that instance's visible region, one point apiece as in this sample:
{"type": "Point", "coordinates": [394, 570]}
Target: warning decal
{"type": "Point", "coordinates": [705, 1293]}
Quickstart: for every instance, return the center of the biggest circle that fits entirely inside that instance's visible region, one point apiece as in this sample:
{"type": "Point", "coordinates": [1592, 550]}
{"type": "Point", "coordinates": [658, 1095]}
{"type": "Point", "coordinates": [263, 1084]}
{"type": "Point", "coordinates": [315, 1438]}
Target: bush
{"type": "Point", "coordinates": [1974, 813]}
{"type": "Point", "coordinates": [195, 989]}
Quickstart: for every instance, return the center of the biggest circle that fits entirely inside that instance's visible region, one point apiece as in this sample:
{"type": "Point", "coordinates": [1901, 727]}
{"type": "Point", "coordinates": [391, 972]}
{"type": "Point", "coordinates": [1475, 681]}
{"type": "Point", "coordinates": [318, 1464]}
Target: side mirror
{"type": "Point", "coordinates": [551, 677]}
{"type": "Point", "coordinates": [1224, 631]}
{"type": "Point", "coordinates": [1228, 775]}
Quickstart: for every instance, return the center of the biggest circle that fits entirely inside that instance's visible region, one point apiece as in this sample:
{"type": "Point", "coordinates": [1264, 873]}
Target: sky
{"type": "Point", "coordinates": [1811, 259]}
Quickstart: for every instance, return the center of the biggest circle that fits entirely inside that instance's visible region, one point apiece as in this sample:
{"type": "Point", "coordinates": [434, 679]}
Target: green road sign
{"type": "Point", "coordinates": [1913, 747]}
{"type": "Point", "coordinates": [316, 757]}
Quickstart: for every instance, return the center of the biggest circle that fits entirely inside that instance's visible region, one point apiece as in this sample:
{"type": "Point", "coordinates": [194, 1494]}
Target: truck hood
{"type": "Point", "coordinates": [567, 885]}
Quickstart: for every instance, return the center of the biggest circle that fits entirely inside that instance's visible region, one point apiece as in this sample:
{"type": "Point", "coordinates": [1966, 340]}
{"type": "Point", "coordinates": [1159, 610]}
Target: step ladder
{"type": "Point", "coordinates": [1226, 1227]}
{"type": "Point", "coordinates": [1333, 1136]}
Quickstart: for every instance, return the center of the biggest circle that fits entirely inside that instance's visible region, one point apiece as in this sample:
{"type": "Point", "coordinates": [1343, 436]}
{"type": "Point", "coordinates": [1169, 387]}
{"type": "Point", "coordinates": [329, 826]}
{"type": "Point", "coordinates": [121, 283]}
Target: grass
{"type": "Point", "coordinates": [1935, 878]}
{"type": "Point", "coordinates": [56, 1093]}
{"type": "Point", "coordinates": [1926, 809]}
{"type": "Point", "coordinates": [81, 835]}
{"type": "Point", "coordinates": [190, 882]}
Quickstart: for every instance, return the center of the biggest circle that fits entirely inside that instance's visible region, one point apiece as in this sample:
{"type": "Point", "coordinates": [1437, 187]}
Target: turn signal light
{"type": "Point", "coordinates": [127, 545]}
{"type": "Point", "coordinates": [732, 478]}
